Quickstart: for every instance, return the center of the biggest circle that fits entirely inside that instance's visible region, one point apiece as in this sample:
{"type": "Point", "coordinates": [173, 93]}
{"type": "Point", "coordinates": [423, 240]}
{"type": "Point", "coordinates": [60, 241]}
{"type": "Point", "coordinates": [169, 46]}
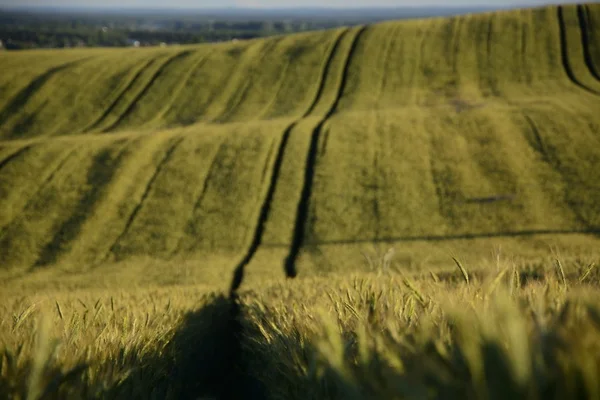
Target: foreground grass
{"type": "Point", "coordinates": [509, 331]}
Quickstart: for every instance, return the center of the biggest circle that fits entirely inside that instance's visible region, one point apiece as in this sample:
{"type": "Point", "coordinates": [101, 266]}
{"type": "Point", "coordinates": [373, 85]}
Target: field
{"type": "Point", "coordinates": [153, 201]}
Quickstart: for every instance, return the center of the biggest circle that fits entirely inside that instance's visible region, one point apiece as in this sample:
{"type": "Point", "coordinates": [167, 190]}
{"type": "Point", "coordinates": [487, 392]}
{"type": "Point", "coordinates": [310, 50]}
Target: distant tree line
{"type": "Point", "coordinates": [15, 39]}
{"type": "Point", "coordinates": [26, 30]}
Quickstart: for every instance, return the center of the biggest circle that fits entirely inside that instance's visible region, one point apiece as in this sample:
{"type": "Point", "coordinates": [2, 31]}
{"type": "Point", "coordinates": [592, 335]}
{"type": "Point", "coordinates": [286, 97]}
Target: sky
{"type": "Point", "coordinates": [265, 3]}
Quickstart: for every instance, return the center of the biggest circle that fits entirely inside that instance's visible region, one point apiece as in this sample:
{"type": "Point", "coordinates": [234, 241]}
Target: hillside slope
{"type": "Point", "coordinates": [470, 127]}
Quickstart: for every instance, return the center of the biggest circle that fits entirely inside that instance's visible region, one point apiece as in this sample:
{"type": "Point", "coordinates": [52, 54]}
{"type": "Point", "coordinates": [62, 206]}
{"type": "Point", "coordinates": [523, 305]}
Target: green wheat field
{"type": "Point", "coordinates": [432, 187]}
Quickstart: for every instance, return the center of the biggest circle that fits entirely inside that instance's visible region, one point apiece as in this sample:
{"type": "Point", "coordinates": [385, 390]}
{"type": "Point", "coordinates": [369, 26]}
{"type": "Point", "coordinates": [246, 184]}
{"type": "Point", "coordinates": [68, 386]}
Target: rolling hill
{"type": "Point", "coordinates": [133, 182]}
{"type": "Point", "coordinates": [305, 150]}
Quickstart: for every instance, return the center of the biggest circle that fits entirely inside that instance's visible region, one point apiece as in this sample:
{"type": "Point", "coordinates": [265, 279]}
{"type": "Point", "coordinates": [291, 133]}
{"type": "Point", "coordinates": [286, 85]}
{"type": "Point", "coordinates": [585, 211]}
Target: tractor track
{"type": "Point", "coordinates": [304, 203]}
{"type": "Point", "coordinates": [41, 187]}
{"type": "Point", "coordinates": [145, 89]}
{"type": "Point", "coordinates": [585, 42]}
{"type": "Point", "coordinates": [145, 195]}
{"type": "Point", "coordinates": [23, 96]}
{"type": "Point", "coordinates": [238, 274]}
{"type": "Point", "coordinates": [565, 53]}
{"type": "Point", "coordinates": [14, 155]}
{"type": "Point", "coordinates": [119, 96]}
{"type": "Point", "coordinates": [100, 176]}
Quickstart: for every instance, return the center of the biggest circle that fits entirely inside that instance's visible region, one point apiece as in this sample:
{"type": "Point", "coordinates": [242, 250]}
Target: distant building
{"type": "Point", "coordinates": [133, 42]}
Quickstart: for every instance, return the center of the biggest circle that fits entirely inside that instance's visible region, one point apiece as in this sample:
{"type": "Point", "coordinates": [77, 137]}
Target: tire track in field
{"type": "Point", "coordinates": [304, 203]}
{"type": "Point", "coordinates": [440, 238]}
{"type": "Point", "coordinates": [539, 147]}
{"type": "Point", "coordinates": [120, 95]}
{"type": "Point", "coordinates": [322, 86]}
{"type": "Point", "coordinates": [96, 72]}
{"type": "Point", "coordinates": [183, 83]}
{"type": "Point", "coordinates": [565, 54]}
{"type": "Point", "coordinates": [380, 149]}
{"type": "Point", "coordinates": [437, 176]}
{"type": "Point", "coordinates": [266, 166]}
{"type": "Point", "coordinates": [378, 178]}
{"type": "Point", "coordinates": [456, 46]}
{"type": "Point", "coordinates": [202, 194]}
{"type": "Point", "coordinates": [23, 96]}
{"type": "Point", "coordinates": [45, 183]}
{"type": "Point", "coordinates": [585, 41]}
{"type": "Point", "coordinates": [146, 87]}
{"type": "Point", "coordinates": [218, 93]}
{"type": "Point", "coordinates": [14, 155]}
{"type": "Point", "coordinates": [87, 87]}
{"type": "Point", "coordinates": [234, 103]}
{"type": "Point", "coordinates": [99, 177]}
{"type": "Point", "coordinates": [139, 205]}
{"type": "Point", "coordinates": [524, 63]}
{"type": "Point", "coordinates": [396, 33]}
{"type": "Point", "coordinates": [238, 273]}
{"type": "Point", "coordinates": [489, 46]}
{"type": "Point", "coordinates": [555, 164]}
{"type": "Point", "coordinates": [265, 110]}
{"type": "Point", "coordinates": [325, 72]}
{"type": "Point", "coordinates": [373, 116]}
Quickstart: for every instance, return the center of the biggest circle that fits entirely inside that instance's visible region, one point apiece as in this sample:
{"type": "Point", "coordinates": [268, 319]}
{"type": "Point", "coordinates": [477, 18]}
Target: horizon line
{"type": "Point", "coordinates": [275, 8]}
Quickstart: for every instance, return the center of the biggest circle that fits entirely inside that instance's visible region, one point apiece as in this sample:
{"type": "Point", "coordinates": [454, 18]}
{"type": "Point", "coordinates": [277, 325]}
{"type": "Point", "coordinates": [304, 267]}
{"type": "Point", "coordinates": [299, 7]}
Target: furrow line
{"type": "Point", "coordinates": [238, 274]}
{"type": "Point", "coordinates": [203, 191]}
{"type": "Point", "coordinates": [119, 96]}
{"type": "Point", "coordinates": [99, 176]}
{"type": "Point", "coordinates": [491, 79]}
{"type": "Point", "coordinates": [524, 63]}
{"type": "Point", "coordinates": [234, 103]}
{"type": "Point", "coordinates": [211, 170]}
{"type": "Point", "coordinates": [145, 89]}
{"type": "Point", "coordinates": [139, 205]}
{"type": "Point", "coordinates": [325, 72]}
{"type": "Point", "coordinates": [304, 203]}
{"type": "Point", "coordinates": [14, 155]}
{"type": "Point", "coordinates": [41, 187]}
{"type": "Point", "coordinates": [24, 94]}
{"type": "Point", "coordinates": [538, 138]}
{"type": "Point", "coordinates": [239, 98]}
{"type": "Point", "coordinates": [219, 94]}
{"type": "Point", "coordinates": [436, 177]}
{"type": "Point", "coordinates": [565, 54]}
{"type": "Point", "coordinates": [585, 41]}
{"type": "Point", "coordinates": [379, 177]}
{"type": "Point", "coordinates": [323, 148]}
{"type": "Point", "coordinates": [266, 166]}
{"type": "Point", "coordinates": [555, 164]}
{"type": "Point", "coordinates": [385, 64]}
{"type": "Point", "coordinates": [331, 51]}
{"type": "Point", "coordinates": [263, 114]}
{"type": "Point", "coordinates": [199, 64]}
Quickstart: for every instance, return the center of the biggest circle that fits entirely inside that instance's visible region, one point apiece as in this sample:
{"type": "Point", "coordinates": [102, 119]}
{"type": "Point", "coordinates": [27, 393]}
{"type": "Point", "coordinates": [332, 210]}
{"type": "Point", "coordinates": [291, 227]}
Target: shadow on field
{"type": "Point", "coordinates": [208, 354]}
{"type": "Point", "coordinates": [202, 361]}
{"type": "Point", "coordinates": [594, 230]}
